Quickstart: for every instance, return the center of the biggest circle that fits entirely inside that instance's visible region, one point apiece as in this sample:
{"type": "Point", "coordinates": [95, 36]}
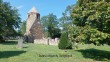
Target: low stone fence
{"type": "Point", "coordinates": [12, 37]}
{"type": "Point", "coordinates": [47, 41]}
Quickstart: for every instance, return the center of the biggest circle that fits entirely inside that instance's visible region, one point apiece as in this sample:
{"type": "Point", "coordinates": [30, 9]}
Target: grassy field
{"type": "Point", "coordinates": [46, 53]}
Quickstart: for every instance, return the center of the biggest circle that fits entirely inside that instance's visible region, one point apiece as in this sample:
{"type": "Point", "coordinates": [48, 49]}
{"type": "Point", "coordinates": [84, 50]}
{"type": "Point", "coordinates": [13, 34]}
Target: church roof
{"type": "Point", "coordinates": [33, 10]}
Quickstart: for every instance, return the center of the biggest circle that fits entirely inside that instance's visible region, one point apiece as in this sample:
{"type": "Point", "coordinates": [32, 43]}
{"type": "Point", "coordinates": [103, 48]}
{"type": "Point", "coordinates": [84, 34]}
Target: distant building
{"type": "Point", "coordinates": [34, 28]}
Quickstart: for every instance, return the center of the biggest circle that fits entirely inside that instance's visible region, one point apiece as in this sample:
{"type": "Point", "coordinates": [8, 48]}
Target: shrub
{"type": "Point", "coordinates": [69, 45]}
{"type": "Point", "coordinates": [64, 42]}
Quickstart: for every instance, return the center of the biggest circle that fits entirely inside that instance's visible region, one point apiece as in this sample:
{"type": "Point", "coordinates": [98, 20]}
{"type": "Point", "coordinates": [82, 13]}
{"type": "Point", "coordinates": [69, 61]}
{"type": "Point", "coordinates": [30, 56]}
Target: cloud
{"type": "Point", "coordinates": [19, 7]}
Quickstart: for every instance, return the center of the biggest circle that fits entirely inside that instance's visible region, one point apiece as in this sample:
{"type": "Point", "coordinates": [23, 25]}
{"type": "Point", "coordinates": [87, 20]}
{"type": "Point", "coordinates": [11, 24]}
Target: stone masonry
{"type": "Point", "coordinates": [47, 41]}
{"type": "Point", "coordinates": [34, 28]}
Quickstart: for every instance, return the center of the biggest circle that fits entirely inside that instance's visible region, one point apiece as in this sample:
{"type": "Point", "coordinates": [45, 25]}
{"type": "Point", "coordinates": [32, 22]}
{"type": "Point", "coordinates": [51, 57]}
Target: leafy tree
{"type": "Point", "coordinates": [92, 17]}
{"type": "Point", "coordinates": [65, 20]}
{"type": "Point", "coordinates": [95, 13]}
{"type": "Point", "coordinates": [88, 35]}
{"type": "Point", "coordinates": [9, 19]}
{"type": "Point", "coordinates": [23, 27]}
{"type": "Point", "coordinates": [50, 25]}
{"type": "Point", "coordinates": [69, 9]}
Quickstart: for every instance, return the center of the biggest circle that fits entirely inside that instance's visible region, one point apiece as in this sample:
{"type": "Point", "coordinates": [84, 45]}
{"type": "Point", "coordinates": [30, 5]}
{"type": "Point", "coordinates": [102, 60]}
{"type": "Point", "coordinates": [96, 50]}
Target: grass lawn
{"type": "Point", "coordinates": [46, 53]}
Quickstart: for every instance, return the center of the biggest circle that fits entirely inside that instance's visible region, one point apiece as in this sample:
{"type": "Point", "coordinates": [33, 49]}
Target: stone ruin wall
{"type": "Point", "coordinates": [47, 41]}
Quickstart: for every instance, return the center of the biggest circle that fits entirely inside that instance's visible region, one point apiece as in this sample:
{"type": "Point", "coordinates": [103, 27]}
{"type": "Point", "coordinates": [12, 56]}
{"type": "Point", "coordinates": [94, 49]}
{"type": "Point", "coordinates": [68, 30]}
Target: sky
{"type": "Point", "coordinates": [44, 7]}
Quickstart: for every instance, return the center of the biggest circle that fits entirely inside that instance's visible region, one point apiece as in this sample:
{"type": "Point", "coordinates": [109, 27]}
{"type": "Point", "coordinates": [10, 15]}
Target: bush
{"type": "Point", "coordinates": [64, 42]}
{"type": "Point", "coordinates": [69, 45]}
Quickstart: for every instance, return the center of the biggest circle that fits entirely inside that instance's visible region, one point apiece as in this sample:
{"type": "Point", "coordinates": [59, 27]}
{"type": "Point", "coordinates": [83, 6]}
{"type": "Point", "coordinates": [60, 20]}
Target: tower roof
{"type": "Point", "coordinates": [33, 10]}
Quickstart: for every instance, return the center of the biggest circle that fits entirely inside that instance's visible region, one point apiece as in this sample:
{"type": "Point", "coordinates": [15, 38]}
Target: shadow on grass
{"type": "Point", "coordinates": [7, 54]}
{"type": "Point", "coordinates": [9, 42]}
{"type": "Point", "coordinates": [99, 55]}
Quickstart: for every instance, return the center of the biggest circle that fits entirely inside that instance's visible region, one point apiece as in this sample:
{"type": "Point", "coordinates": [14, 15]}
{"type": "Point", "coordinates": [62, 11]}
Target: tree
{"type": "Point", "coordinates": [50, 25]}
{"type": "Point", "coordinates": [94, 13]}
{"type": "Point", "coordinates": [92, 16]}
{"type": "Point", "coordinates": [9, 19]}
{"type": "Point", "coordinates": [64, 42]}
{"type": "Point", "coordinates": [66, 19]}
{"type": "Point", "coordinates": [23, 28]}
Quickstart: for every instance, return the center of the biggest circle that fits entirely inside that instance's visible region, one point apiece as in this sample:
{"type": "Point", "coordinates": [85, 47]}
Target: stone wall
{"type": "Point", "coordinates": [34, 29]}
{"type": "Point", "coordinates": [47, 41]}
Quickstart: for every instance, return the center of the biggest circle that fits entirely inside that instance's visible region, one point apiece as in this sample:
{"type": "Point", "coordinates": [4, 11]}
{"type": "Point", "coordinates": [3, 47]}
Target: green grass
{"type": "Point", "coordinates": [33, 52]}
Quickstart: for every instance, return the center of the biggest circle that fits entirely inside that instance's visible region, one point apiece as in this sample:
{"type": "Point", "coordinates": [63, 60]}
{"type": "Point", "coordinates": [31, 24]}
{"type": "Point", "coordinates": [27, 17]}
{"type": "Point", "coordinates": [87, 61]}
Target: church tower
{"type": "Point", "coordinates": [34, 28]}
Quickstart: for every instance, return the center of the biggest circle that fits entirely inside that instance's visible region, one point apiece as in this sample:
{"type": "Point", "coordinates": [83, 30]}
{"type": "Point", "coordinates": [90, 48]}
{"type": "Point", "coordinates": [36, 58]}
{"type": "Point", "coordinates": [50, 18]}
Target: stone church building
{"type": "Point", "coordinates": [34, 29]}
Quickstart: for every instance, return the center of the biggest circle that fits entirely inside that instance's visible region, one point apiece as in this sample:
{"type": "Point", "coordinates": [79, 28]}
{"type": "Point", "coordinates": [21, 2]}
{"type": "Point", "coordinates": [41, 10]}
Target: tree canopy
{"type": "Point", "coordinates": [66, 19]}
{"type": "Point", "coordinates": [50, 25]}
{"type": "Point", "coordinates": [95, 13]}
{"type": "Point", "coordinates": [9, 19]}
{"type": "Point", "coordinates": [23, 28]}
{"type": "Point", "coordinates": [92, 19]}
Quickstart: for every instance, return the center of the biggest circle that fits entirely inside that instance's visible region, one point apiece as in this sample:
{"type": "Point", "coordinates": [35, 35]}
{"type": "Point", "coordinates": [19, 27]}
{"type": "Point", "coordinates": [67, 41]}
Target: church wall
{"type": "Point", "coordinates": [34, 29]}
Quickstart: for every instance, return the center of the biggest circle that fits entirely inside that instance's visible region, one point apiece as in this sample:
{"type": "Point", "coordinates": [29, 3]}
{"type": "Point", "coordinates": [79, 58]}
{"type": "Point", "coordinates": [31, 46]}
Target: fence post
{"type": "Point", "coordinates": [48, 40]}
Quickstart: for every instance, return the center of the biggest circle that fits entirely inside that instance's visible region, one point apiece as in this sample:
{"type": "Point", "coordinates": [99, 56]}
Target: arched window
{"type": "Point", "coordinates": [38, 16]}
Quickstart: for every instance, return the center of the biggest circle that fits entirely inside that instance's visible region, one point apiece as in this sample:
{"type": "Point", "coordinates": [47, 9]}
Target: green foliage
{"type": "Point", "coordinates": [23, 27]}
{"type": "Point", "coordinates": [9, 19]}
{"type": "Point", "coordinates": [73, 32]}
{"type": "Point", "coordinates": [95, 36]}
{"type": "Point", "coordinates": [108, 61]}
{"type": "Point", "coordinates": [50, 25]}
{"type": "Point", "coordinates": [66, 19]}
{"type": "Point", "coordinates": [88, 35]}
{"type": "Point", "coordinates": [64, 42]}
{"type": "Point", "coordinates": [91, 19]}
{"type": "Point", "coordinates": [93, 13]}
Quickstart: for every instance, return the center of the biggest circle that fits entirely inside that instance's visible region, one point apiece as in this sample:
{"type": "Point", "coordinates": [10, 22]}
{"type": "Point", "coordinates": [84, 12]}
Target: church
{"type": "Point", "coordinates": [34, 29]}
